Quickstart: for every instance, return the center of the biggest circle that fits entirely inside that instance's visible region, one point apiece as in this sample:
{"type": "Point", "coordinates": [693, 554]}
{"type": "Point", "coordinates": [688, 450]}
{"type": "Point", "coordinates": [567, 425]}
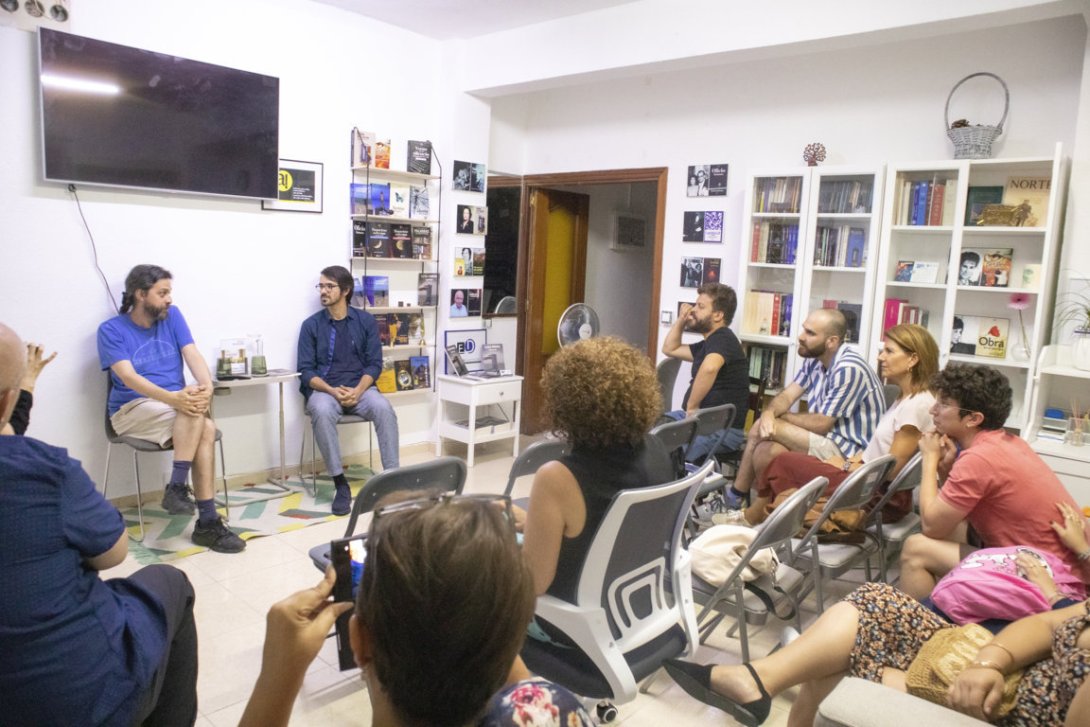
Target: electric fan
{"type": "Point", "coordinates": [578, 322]}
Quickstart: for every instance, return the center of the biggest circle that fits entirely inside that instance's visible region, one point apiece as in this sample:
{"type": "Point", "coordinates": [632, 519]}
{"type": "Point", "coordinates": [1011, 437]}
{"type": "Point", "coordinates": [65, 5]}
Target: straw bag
{"type": "Point", "coordinates": [975, 142]}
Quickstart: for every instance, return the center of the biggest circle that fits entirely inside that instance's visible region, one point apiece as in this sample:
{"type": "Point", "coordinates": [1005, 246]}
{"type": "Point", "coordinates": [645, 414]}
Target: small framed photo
{"type": "Point", "coordinates": [629, 231]}
{"type": "Point", "coordinates": [298, 187]}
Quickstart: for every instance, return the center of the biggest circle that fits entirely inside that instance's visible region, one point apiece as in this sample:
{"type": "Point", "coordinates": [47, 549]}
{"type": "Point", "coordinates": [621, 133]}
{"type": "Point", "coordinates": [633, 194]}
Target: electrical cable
{"type": "Point", "coordinates": [94, 250]}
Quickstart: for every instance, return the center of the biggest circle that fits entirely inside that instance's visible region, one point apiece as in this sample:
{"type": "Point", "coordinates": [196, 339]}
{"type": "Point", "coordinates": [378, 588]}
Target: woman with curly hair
{"type": "Point", "coordinates": [602, 394]}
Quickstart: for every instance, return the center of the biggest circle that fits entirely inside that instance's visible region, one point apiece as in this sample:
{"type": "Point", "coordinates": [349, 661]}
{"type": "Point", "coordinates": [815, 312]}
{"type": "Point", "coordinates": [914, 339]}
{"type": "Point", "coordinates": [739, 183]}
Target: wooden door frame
{"type": "Point", "coordinates": [529, 182]}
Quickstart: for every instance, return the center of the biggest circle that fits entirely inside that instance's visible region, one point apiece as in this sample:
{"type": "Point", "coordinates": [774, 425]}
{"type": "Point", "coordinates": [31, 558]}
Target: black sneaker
{"type": "Point", "coordinates": [178, 500]}
{"type": "Point", "coordinates": [217, 537]}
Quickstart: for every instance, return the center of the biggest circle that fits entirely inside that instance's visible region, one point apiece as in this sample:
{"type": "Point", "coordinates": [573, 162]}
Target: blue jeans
{"type": "Point", "coordinates": [325, 411]}
{"type": "Point", "coordinates": [699, 448]}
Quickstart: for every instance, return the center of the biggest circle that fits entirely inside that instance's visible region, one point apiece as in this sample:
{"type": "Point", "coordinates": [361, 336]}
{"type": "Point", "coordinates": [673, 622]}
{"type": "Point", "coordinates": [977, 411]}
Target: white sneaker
{"type": "Point", "coordinates": [731, 517]}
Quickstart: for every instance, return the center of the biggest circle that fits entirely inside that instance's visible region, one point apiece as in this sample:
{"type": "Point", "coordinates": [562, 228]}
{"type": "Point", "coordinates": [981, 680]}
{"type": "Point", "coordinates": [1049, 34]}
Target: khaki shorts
{"type": "Point", "coordinates": [145, 419]}
{"type": "Point", "coordinates": [823, 448]}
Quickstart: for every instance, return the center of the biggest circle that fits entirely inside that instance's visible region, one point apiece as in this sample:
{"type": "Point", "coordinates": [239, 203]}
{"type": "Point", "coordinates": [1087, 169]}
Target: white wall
{"type": "Point", "coordinates": [237, 269]}
{"type": "Point", "coordinates": [867, 105]}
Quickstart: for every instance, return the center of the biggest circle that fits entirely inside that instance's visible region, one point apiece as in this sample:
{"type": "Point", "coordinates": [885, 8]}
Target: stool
{"type": "Point", "coordinates": [345, 419]}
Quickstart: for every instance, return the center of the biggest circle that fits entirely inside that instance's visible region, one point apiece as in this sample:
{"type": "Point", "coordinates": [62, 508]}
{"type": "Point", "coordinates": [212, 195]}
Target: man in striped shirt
{"type": "Point", "coordinates": [844, 403]}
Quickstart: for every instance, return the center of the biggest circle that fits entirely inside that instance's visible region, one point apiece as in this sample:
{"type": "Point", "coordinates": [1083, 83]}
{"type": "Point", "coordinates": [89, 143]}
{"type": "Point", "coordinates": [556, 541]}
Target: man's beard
{"type": "Point", "coordinates": [156, 313]}
{"type": "Point", "coordinates": [699, 326]}
{"type": "Point", "coordinates": [805, 352]}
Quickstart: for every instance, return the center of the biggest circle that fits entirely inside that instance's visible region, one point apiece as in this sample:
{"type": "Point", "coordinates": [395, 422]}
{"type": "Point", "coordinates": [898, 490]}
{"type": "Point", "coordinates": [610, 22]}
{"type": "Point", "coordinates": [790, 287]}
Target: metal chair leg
{"type": "Point", "coordinates": [106, 472]}
{"type": "Point", "coordinates": [223, 474]}
{"type": "Point", "coordinates": [139, 497]}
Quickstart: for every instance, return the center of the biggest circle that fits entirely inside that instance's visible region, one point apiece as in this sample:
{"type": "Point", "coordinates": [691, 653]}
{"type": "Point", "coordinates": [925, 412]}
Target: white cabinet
{"type": "Point", "coordinates": [1057, 384]}
{"type": "Point", "coordinates": [479, 410]}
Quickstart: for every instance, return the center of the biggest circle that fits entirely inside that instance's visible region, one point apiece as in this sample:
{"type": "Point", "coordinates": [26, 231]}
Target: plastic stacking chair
{"type": "Point", "coordinates": [446, 474]}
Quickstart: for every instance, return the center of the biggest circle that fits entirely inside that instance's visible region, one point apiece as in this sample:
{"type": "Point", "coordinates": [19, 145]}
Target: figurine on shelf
{"type": "Point", "coordinates": [813, 153]}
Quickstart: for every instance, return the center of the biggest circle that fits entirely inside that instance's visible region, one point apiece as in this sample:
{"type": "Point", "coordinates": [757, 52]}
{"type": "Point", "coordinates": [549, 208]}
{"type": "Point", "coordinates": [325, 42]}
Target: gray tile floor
{"type": "Point", "coordinates": [235, 591]}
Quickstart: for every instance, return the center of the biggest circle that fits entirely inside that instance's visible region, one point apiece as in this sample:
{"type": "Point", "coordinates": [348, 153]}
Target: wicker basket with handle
{"type": "Point", "coordinates": [975, 142]}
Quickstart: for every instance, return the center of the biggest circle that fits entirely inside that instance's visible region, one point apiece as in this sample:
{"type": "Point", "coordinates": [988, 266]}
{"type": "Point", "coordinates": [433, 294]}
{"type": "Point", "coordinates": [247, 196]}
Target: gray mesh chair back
{"type": "Point", "coordinates": [667, 374]}
{"type": "Point", "coordinates": [633, 604]}
{"type": "Point", "coordinates": [442, 474]}
{"type": "Point", "coordinates": [732, 598]}
{"type": "Point", "coordinates": [895, 533]}
{"type": "Point", "coordinates": [530, 459]}
{"type": "Point", "coordinates": [714, 421]}
{"type": "Point", "coordinates": [144, 445]}
{"type": "Point", "coordinates": [834, 559]}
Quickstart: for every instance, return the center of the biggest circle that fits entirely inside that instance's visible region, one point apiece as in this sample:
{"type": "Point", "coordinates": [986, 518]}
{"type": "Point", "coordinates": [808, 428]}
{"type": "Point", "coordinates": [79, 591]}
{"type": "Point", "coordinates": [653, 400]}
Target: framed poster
{"type": "Point", "coordinates": [468, 342]}
{"type": "Point", "coordinates": [298, 187]}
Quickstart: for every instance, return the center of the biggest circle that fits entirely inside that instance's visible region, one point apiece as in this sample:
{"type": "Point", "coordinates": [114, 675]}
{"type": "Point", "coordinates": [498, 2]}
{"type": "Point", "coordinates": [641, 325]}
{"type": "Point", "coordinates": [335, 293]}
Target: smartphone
{"type": "Point", "coordinates": [348, 556]}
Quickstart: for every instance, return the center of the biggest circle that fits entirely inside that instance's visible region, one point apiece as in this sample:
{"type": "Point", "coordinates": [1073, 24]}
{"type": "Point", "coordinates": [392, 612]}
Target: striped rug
{"type": "Point", "coordinates": [168, 536]}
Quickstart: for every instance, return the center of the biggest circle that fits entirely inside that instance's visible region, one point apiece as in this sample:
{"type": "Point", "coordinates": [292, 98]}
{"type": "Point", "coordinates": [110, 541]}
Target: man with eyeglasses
{"type": "Point", "coordinates": [991, 480]}
{"type": "Point", "coordinates": [339, 360]}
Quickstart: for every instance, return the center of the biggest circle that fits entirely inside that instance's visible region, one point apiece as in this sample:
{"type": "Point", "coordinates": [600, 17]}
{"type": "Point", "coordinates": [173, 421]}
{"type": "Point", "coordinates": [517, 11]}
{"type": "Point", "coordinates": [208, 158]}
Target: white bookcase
{"type": "Point", "coordinates": [940, 242]}
{"type": "Point", "coordinates": [835, 213]}
{"type": "Point", "coordinates": [1056, 384]}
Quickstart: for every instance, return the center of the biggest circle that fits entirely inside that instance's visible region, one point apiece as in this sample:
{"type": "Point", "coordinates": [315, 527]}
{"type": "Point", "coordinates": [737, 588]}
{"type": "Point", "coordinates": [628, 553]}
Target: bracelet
{"type": "Point", "coordinates": [1084, 555]}
{"type": "Point", "coordinates": [998, 645]}
{"type": "Point", "coordinates": [985, 664]}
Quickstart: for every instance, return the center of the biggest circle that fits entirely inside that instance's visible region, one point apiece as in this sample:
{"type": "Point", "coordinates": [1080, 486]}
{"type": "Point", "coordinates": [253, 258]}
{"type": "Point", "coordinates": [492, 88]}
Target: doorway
{"type": "Point", "coordinates": [554, 274]}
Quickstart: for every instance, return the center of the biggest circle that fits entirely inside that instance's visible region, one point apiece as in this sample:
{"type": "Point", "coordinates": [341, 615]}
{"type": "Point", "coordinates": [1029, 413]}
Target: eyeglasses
{"type": "Point", "coordinates": [942, 405]}
{"type": "Point", "coordinates": [424, 503]}
{"type": "Point", "coordinates": [328, 287]}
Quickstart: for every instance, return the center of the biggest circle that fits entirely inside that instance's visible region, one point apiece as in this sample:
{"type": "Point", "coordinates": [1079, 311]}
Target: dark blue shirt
{"type": "Point", "coordinates": [74, 649]}
{"type": "Point", "coordinates": [316, 357]}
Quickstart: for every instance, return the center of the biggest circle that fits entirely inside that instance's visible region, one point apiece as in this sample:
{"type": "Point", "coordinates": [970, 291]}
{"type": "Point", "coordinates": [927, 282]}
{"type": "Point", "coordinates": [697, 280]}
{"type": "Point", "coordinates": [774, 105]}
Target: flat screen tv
{"type": "Point", "coordinates": [122, 116]}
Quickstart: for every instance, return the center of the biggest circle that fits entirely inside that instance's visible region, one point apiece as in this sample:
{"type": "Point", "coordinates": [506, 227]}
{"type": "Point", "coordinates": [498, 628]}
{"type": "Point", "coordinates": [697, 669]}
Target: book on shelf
{"type": "Point", "coordinates": [1029, 196]}
{"type": "Point", "coordinates": [717, 180]}
{"type": "Point", "coordinates": [399, 328]}
{"type": "Point", "coordinates": [403, 374]}
{"type": "Point", "coordinates": [916, 271]}
{"type": "Point", "coordinates": [359, 238]}
{"type": "Point", "coordinates": [370, 198]}
{"type": "Point", "coordinates": [419, 204]}
{"type": "Point", "coordinates": [767, 364]}
{"type": "Point", "coordinates": [845, 196]}
{"type": "Point", "coordinates": [375, 290]}
{"type": "Point", "coordinates": [418, 160]}
{"type": "Point", "coordinates": [711, 270]}
{"type": "Point", "coordinates": [713, 226]}
{"type": "Point", "coordinates": [382, 154]}
{"type": "Point", "coordinates": [473, 301]}
{"type": "Point", "coordinates": [985, 266]}
{"type": "Point", "coordinates": [926, 202]}
{"type": "Point", "coordinates": [692, 229]}
{"type": "Point", "coordinates": [492, 357]}
{"type": "Point", "coordinates": [856, 256]}
{"type": "Point", "coordinates": [979, 336]}
{"type": "Point", "coordinates": [363, 144]}
{"type": "Point", "coordinates": [767, 313]}
{"type": "Point", "coordinates": [427, 289]}
{"type": "Point", "coordinates": [853, 313]}
{"type": "Point", "coordinates": [896, 311]}
{"type": "Point", "coordinates": [777, 194]}
{"type": "Point", "coordinates": [416, 329]}
{"type": "Point", "coordinates": [774, 242]}
{"type": "Point", "coordinates": [383, 329]}
{"type": "Point", "coordinates": [401, 240]}
{"type": "Point", "coordinates": [386, 382]}
{"type": "Point", "coordinates": [422, 242]}
{"type": "Point", "coordinates": [478, 261]}
{"type": "Point", "coordinates": [977, 199]}
{"type": "Point", "coordinates": [840, 246]}
{"type": "Point", "coordinates": [378, 239]}
{"type": "Point", "coordinates": [399, 199]}
{"type": "Point", "coordinates": [421, 370]}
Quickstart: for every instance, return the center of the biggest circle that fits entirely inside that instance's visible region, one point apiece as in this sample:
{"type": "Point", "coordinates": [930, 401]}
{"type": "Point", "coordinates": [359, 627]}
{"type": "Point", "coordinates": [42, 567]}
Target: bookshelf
{"type": "Point", "coordinates": [809, 239]}
{"type": "Point", "coordinates": [395, 238]}
{"type": "Point", "coordinates": [935, 227]}
{"type": "Point", "coordinates": [1058, 384]}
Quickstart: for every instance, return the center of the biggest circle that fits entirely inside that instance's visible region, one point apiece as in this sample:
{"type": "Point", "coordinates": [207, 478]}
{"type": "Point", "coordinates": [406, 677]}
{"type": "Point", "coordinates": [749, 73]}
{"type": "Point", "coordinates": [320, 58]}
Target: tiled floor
{"type": "Point", "coordinates": [234, 592]}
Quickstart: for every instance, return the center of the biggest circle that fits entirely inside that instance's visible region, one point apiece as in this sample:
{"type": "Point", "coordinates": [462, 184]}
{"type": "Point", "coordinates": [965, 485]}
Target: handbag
{"type": "Point", "coordinates": [717, 551]}
{"type": "Point", "coordinates": [944, 656]}
{"type": "Point", "coordinates": [842, 526]}
{"type": "Point", "coordinates": [987, 585]}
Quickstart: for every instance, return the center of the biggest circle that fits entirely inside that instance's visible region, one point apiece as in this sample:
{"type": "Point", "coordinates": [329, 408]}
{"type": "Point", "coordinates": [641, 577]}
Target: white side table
{"type": "Point", "coordinates": [479, 410]}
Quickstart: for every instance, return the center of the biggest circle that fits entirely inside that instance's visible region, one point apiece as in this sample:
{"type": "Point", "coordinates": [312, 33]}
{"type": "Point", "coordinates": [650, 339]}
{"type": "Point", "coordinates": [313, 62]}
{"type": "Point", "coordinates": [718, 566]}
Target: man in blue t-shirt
{"type": "Point", "coordinates": [844, 402]}
{"type": "Point", "coordinates": [75, 649]}
{"type": "Point", "coordinates": [143, 347]}
{"type": "Point", "coordinates": [720, 368]}
{"type": "Point", "coordinates": [339, 360]}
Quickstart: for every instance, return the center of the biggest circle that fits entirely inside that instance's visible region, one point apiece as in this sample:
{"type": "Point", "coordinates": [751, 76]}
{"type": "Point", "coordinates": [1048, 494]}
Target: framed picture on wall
{"type": "Point", "coordinates": [298, 187]}
{"type": "Point", "coordinates": [629, 231]}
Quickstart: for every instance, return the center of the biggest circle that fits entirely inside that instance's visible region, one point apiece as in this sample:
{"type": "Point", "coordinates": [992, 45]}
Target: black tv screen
{"type": "Point", "coordinates": [123, 116]}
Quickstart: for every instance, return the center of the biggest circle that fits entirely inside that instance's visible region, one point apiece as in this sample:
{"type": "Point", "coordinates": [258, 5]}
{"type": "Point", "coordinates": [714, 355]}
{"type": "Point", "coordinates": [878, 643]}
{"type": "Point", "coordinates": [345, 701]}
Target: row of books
{"type": "Point", "coordinates": [391, 240]}
{"type": "Point", "coordinates": [979, 336]}
{"type": "Point", "coordinates": [405, 375]}
{"type": "Point", "coordinates": [845, 197]}
{"type": "Point", "coordinates": [927, 202]}
{"type": "Point", "coordinates": [389, 199]}
{"type": "Point", "coordinates": [768, 364]}
{"type": "Point", "coordinates": [373, 291]}
{"type": "Point", "coordinates": [400, 329]}
{"type": "Point", "coordinates": [777, 194]}
{"type": "Point", "coordinates": [695, 271]}
{"type": "Point", "coordinates": [367, 150]}
{"type": "Point", "coordinates": [898, 310]}
{"type": "Point", "coordinates": [774, 242]}
{"type": "Point", "coordinates": [840, 246]}
{"type": "Point", "coordinates": [767, 313]}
